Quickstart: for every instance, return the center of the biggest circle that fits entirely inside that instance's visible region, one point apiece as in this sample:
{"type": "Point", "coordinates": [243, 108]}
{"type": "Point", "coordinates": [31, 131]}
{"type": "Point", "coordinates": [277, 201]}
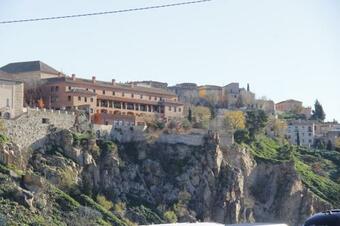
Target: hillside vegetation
{"type": "Point", "coordinates": [318, 169]}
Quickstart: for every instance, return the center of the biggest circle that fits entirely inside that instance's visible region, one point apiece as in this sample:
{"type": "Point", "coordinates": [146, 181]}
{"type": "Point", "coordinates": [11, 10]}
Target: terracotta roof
{"type": "Point", "coordinates": [28, 66]}
{"type": "Point", "coordinates": [117, 86]}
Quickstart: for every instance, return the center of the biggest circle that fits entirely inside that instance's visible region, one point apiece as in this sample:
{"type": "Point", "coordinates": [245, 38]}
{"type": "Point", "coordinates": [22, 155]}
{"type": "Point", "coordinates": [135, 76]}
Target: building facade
{"type": "Point", "coordinates": [211, 93]}
{"type": "Point", "coordinates": [268, 106]}
{"type": "Point", "coordinates": [186, 92]}
{"type": "Point", "coordinates": [289, 105]}
{"type": "Point", "coordinates": [11, 98]}
{"type": "Point", "coordinates": [31, 73]}
{"type": "Point", "coordinates": [301, 132]}
{"type": "Point", "coordinates": [109, 102]}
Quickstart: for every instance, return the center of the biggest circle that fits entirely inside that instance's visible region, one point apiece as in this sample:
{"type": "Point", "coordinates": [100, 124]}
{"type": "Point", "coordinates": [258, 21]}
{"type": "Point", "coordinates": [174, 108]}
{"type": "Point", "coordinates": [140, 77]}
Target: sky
{"type": "Point", "coordinates": [285, 49]}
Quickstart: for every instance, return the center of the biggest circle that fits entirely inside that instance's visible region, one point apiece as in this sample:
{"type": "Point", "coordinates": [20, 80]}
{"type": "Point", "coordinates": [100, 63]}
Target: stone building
{"type": "Point", "coordinates": [288, 105]}
{"type": "Point", "coordinates": [110, 102]}
{"type": "Point", "coordinates": [267, 106]}
{"type": "Point", "coordinates": [31, 73]}
{"type": "Point", "coordinates": [293, 106]}
{"type": "Point", "coordinates": [211, 93]}
{"type": "Point", "coordinates": [11, 98]}
{"type": "Point", "coordinates": [186, 92]}
{"type": "Point", "coordinates": [301, 132]}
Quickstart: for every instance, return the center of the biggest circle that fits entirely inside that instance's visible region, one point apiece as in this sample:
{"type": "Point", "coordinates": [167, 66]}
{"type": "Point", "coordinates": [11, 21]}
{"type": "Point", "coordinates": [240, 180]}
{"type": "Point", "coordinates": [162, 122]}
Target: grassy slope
{"type": "Point", "coordinates": [319, 169]}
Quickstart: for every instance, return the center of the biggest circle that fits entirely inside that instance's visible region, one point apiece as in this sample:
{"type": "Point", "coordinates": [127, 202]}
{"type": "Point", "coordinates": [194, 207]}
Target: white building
{"type": "Point", "coordinates": [301, 132]}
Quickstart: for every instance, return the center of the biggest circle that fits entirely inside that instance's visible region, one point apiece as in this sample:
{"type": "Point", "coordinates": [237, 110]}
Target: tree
{"type": "Point", "coordinates": [241, 136]}
{"type": "Point", "coordinates": [255, 122]}
{"type": "Point", "coordinates": [239, 102]}
{"type": "Point", "coordinates": [278, 127]}
{"type": "Point", "coordinates": [329, 145]}
{"type": "Point", "coordinates": [337, 144]}
{"type": "Point", "coordinates": [234, 120]}
{"type": "Point", "coordinates": [318, 112]}
{"type": "Point", "coordinates": [190, 115]}
{"type": "Point", "coordinates": [201, 116]}
{"type": "Point", "coordinates": [298, 138]}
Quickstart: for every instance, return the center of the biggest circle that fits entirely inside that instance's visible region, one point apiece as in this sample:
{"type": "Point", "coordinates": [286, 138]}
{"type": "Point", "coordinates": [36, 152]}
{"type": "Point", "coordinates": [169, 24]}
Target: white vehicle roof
{"type": "Point", "coordinates": [216, 224]}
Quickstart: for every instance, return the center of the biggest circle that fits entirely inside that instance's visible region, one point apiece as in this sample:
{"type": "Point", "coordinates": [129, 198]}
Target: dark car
{"type": "Point", "coordinates": [328, 218]}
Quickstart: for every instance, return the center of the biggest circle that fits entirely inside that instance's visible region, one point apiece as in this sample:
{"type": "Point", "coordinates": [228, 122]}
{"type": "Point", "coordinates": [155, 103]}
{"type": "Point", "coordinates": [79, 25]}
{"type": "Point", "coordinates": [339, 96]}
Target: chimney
{"type": "Point", "coordinates": [73, 76]}
{"type": "Point", "coordinates": [113, 82]}
{"type": "Point", "coordinates": [94, 79]}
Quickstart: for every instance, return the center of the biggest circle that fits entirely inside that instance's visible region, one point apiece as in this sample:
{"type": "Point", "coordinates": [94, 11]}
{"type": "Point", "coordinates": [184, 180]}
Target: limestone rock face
{"type": "Point", "coordinates": [197, 178]}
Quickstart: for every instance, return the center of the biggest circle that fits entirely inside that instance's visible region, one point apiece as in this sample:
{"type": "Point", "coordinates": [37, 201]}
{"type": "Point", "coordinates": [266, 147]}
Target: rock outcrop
{"type": "Point", "coordinates": [196, 177]}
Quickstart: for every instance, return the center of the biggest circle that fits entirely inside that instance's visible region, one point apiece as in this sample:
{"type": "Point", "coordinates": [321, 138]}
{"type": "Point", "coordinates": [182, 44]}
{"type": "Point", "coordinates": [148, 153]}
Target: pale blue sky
{"type": "Point", "coordinates": [283, 48]}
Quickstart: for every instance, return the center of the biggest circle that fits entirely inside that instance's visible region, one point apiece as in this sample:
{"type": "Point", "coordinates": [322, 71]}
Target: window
{"type": "Point", "coordinates": [69, 88]}
{"type": "Point", "coordinates": [79, 98]}
{"type": "Point", "coordinates": [175, 109]}
{"type": "Point", "coordinates": [69, 98]}
{"type": "Point", "coordinates": [141, 96]}
{"type": "Point", "coordinates": [57, 88]}
{"type": "Point", "coordinates": [94, 90]}
{"type": "Point", "coordinates": [179, 109]}
{"type": "Point", "coordinates": [7, 102]}
{"type": "Point", "coordinates": [149, 97]}
{"type": "Point", "coordinates": [91, 99]}
{"type": "Point", "coordinates": [132, 95]}
{"type": "Point", "coordinates": [113, 93]}
{"type": "Point", "coordinates": [169, 108]}
{"type": "Point", "coordinates": [103, 91]}
{"type": "Point", "coordinates": [155, 98]}
{"type": "Point", "coordinates": [123, 94]}
{"type": "Point", "coordinates": [85, 99]}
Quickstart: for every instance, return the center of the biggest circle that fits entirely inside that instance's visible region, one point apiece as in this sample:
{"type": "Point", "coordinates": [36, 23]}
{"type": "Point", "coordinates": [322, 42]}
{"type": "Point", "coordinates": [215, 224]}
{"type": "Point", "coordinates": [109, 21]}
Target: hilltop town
{"type": "Point", "coordinates": [79, 151]}
{"type": "Point", "coordinates": [31, 85]}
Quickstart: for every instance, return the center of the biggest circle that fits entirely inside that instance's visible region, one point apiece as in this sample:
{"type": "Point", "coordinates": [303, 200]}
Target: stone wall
{"type": "Point", "coordinates": [31, 128]}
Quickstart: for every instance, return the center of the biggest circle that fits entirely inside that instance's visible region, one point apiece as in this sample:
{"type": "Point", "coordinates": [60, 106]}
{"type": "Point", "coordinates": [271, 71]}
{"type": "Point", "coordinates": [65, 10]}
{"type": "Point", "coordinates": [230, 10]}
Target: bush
{"type": "Point", "coordinates": [3, 139]}
{"type": "Point", "coordinates": [241, 136]}
{"type": "Point", "coordinates": [186, 125]}
{"type": "Point", "coordinates": [120, 208]}
{"type": "Point", "coordinates": [101, 200]}
{"type": "Point", "coordinates": [170, 216]}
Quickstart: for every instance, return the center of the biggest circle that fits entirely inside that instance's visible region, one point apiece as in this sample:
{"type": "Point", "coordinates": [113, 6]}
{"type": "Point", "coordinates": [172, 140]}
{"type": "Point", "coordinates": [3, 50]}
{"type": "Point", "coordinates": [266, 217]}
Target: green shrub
{"type": "Point", "coordinates": [101, 200]}
{"type": "Point", "coordinates": [170, 216]}
{"type": "Point", "coordinates": [120, 208]}
{"type": "Point", "coordinates": [241, 136]}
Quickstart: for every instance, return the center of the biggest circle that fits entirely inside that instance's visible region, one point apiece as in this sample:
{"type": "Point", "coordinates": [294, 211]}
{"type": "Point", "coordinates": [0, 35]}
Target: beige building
{"type": "Point", "coordinates": [267, 106]}
{"type": "Point", "coordinates": [211, 93]}
{"type": "Point", "coordinates": [31, 73]}
{"type": "Point", "coordinates": [11, 98]}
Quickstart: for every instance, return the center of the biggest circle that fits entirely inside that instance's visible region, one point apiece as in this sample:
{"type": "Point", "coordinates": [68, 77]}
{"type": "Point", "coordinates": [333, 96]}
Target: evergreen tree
{"type": "Point", "coordinates": [298, 138]}
{"type": "Point", "coordinates": [329, 145]}
{"type": "Point", "coordinates": [255, 121]}
{"type": "Point", "coordinates": [190, 115]}
{"type": "Point", "coordinates": [318, 112]}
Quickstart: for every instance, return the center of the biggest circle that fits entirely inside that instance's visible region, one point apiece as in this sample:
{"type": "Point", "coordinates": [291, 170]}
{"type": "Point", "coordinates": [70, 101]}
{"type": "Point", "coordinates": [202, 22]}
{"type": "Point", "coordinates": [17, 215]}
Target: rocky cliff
{"type": "Point", "coordinates": [194, 178]}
